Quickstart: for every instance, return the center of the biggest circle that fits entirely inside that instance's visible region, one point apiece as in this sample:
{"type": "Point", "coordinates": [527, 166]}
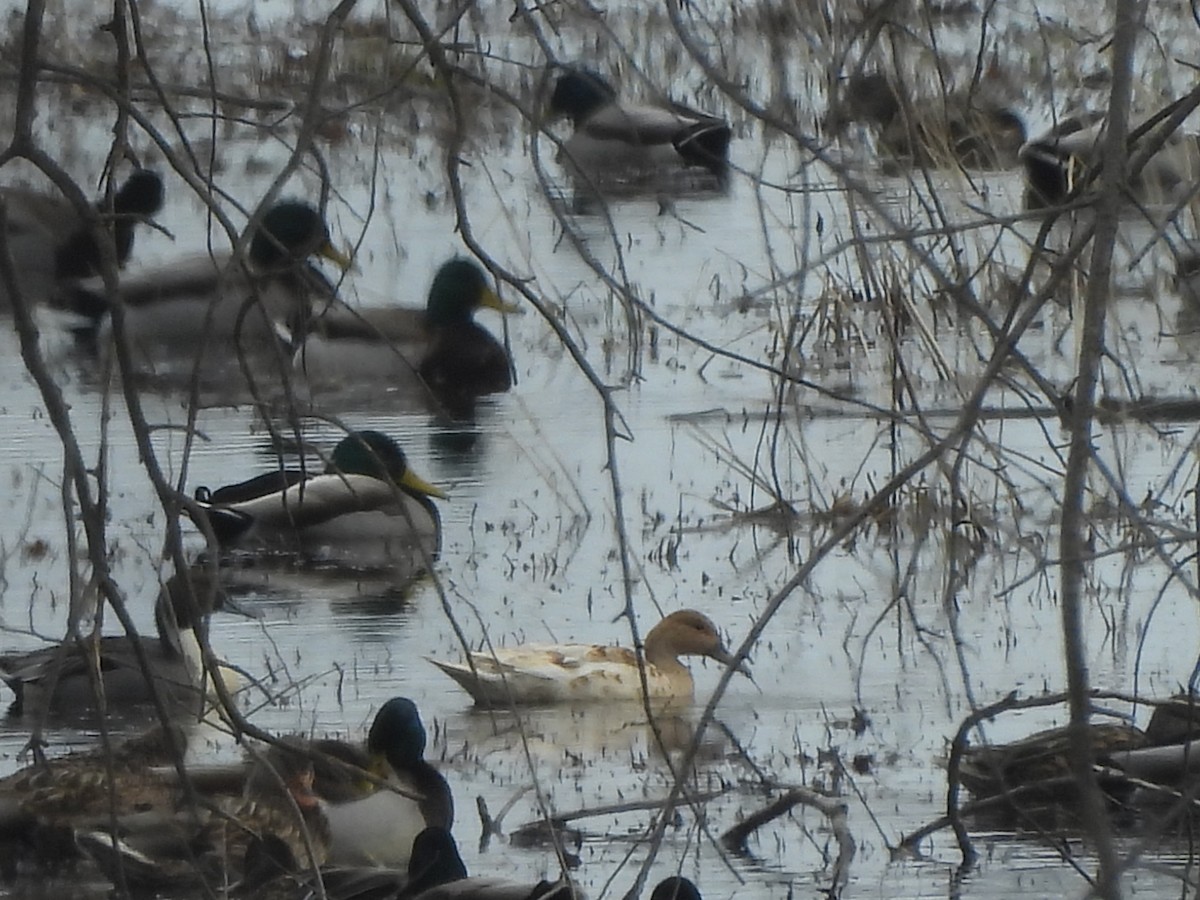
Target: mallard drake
{"type": "Point", "coordinates": [48, 242]}
{"type": "Point", "coordinates": [456, 358]}
{"type": "Point", "coordinates": [370, 824]}
{"type": "Point", "coordinates": [536, 673]}
{"type": "Point", "coordinates": [57, 680]}
{"type": "Point", "coordinates": [1067, 157]}
{"type": "Point", "coordinates": [216, 306]}
{"type": "Point", "coordinates": [676, 888]}
{"type": "Point", "coordinates": [366, 505]}
{"type": "Point", "coordinates": [620, 142]}
{"type": "Point", "coordinates": [957, 129]}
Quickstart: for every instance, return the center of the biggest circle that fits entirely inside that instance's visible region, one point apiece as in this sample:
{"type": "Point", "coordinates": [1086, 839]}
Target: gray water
{"type": "Point", "coordinates": [530, 536]}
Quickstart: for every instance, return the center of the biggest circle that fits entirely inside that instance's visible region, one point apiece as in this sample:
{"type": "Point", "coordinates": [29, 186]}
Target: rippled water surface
{"type": "Point", "coordinates": [872, 660]}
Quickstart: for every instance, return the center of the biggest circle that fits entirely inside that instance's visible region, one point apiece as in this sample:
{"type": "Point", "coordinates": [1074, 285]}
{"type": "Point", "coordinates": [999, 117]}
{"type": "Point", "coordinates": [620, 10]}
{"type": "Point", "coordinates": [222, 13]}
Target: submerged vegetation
{"type": "Point", "coordinates": [864, 330]}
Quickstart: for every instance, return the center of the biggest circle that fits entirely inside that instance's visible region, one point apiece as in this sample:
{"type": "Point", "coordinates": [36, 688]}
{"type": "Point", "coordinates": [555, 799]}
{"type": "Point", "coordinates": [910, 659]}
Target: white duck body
{"type": "Point", "coordinates": [533, 673]}
{"type": "Point", "coordinates": [560, 673]}
{"type": "Point", "coordinates": [377, 830]}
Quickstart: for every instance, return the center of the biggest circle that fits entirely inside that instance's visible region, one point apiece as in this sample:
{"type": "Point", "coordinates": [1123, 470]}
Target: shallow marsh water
{"type": "Point", "coordinates": [530, 549]}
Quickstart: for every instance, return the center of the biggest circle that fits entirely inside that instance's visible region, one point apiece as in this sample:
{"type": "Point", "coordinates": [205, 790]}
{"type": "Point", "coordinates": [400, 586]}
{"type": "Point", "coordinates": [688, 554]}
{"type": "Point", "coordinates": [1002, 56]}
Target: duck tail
{"type": "Point", "coordinates": [469, 681]}
{"type": "Point", "coordinates": [84, 299]}
{"type": "Point", "coordinates": [116, 859]}
{"type": "Point", "coordinates": [228, 524]}
{"type": "Point", "coordinates": [706, 144]}
{"type": "Point", "coordinates": [1047, 176]}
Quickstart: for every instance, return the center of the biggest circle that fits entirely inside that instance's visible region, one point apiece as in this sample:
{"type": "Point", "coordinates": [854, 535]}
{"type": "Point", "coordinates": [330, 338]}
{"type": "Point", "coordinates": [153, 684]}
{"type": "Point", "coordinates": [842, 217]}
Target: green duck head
{"type": "Point", "coordinates": [676, 888]}
{"type": "Point", "coordinates": [291, 232]}
{"type": "Point", "coordinates": [579, 92]}
{"type": "Point", "coordinates": [78, 256]}
{"type": "Point", "coordinates": [375, 454]}
{"type": "Point", "coordinates": [140, 195]}
{"type": "Point", "coordinates": [397, 736]}
{"type": "Point", "coordinates": [435, 860]}
{"type": "Point", "coordinates": [459, 288]}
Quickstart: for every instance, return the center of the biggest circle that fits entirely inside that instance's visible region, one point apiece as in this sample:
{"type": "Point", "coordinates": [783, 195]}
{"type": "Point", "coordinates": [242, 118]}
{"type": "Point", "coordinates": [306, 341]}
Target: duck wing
{"type": "Point", "coordinates": [316, 500]}
{"type": "Point", "coordinates": [196, 277]}
{"type": "Point", "coordinates": [396, 325]}
{"type": "Point", "coordinates": [252, 488]}
{"type": "Point", "coordinates": [547, 674]}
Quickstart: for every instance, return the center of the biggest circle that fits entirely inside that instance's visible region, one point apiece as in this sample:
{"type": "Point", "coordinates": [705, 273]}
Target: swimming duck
{"type": "Point", "coordinates": [676, 888]}
{"type": "Point", "coordinates": [57, 680]}
{"type": "Point", "coordinates": [456, 358]}
{"type": "Point", "coordinates": [620, 142]}
{"type": "Point", "coordinates": [370, 824]}
{"type": "Point", "coordinates": [42, 804]}
{"type": "Point", "coordinates": [48, 242]}
{"type": "Point", "coordinates": [367, 505]}
{"type": "Point", "coordinates": [1067, 157]}
{"type": "Point", "coordinates": [958, 128]}
{"type": "Point", "coordinates": [212, 845]}
{"type": "Point", "coordinates": [216, 305]}
{"type": "Point", "coordinates": [537, 673]}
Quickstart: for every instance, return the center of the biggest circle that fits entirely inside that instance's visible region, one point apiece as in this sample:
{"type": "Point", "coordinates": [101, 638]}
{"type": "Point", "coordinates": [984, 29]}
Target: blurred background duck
{"type": "Point", "coordinates": [968, 129]}
{"type": "Point", "coordinates": [368, 509]}
{"type": "Point", "coordinates": [555, 673]}
{"type": "Point", "coordinates": [58, 680]}
{"type": "Point", "coordinates": [619, 142]}
{"type": "Point", "coordinates": [439, 349]}
{"type": "Point", "coordinates": [1065, 160]}
{"type": "Point", "coordinates": [49, 242]}
{"type": "Point", "coordinates": [214, 307]}
{"type": "Point", "coordinates": [370, 823]}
